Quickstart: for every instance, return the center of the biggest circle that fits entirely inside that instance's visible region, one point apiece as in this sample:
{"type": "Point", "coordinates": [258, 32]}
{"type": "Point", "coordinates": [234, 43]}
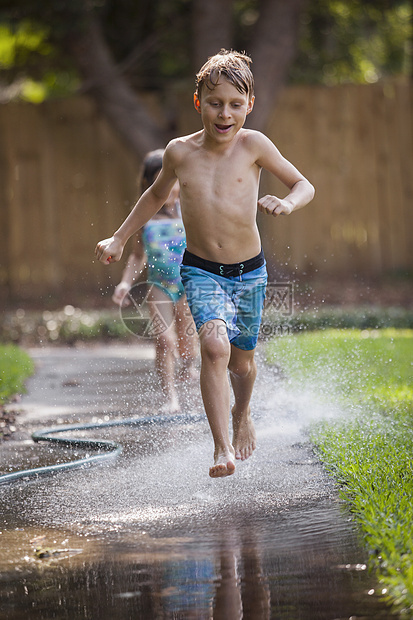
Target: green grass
{"type": "Point", "coordinates": [370, 449]}
{"type": "Point", "coordinates": [15, 366]}
{"type": "Point", "coordinates": [358, 317]}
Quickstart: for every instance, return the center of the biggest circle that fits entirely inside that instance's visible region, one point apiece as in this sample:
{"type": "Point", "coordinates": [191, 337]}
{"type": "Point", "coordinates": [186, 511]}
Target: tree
{"type": "Point", "coordinates": [110, 72]}
{"type": "Point", "coordinates": [273, 48]}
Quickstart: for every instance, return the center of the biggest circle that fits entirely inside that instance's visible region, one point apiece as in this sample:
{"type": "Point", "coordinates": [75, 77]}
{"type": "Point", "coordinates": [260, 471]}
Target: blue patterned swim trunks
{"type": "Point", "coordinates": [237, 298]}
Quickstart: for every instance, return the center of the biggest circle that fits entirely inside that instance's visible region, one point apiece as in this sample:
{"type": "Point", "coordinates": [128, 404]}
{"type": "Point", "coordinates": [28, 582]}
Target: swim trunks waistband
{"type": "Point", "coordinates": [225, 270]}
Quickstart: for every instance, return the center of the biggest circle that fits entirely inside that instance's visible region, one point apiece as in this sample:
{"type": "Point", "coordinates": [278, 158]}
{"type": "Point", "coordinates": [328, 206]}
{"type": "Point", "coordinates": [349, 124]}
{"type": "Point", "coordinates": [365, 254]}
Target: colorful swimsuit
{"type": "Point", "coordinates": [164, 242]}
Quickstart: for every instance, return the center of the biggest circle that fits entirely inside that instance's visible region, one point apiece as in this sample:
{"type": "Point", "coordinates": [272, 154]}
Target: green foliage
{"type": "Point", "coordinates": [360, 317]}
{"type": "Point", "coordinates": [65, 326]}
{"type": "Point", "coordinates": [140, 36]}
{"type": "Point", "coordinates": [28, 57]}
{"type": "Point", "coordinates": [70, 324]}
{"type": "Point", "coordinates": [369, 452]}
{"type": "Point", "coordinates": [15, 367]}
{"type": "Point", "coordinates": [354, 41]}
{"type": "Point", "coordinates": [17, 45]}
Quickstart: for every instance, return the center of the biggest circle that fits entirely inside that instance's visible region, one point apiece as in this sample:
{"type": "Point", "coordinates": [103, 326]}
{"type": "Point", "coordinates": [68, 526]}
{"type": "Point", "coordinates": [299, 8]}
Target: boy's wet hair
{"type": "Point", "coordinates": [233, 66]}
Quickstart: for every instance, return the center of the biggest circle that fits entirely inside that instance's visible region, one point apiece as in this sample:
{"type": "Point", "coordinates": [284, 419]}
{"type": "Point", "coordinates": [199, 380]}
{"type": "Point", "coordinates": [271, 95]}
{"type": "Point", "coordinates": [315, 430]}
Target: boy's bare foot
{"type": "Point", "coordinates": [224, 465]}
{"type": "Point", "coordinates": [244, 439]}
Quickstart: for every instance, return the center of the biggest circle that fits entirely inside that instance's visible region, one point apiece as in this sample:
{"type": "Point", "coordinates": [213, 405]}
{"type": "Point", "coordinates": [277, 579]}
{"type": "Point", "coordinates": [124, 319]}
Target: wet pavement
{"type": "Point", "coordinates": [150, 535]}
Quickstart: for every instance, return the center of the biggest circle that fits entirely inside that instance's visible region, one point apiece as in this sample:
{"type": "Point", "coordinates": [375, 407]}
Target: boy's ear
{"type": "Point", "coordinates": [197, 103]}
{"type": "Point", "coordinates": [250, 104]}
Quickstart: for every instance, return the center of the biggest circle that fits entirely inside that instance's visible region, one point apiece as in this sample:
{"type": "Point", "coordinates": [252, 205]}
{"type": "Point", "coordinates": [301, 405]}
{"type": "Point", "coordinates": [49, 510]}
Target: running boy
{"type": "Point", "coordinates": [223, 269]}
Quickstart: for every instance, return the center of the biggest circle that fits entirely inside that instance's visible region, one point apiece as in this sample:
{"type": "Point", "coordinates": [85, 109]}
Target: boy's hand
{"type": "Point", "coordinates": [271, 205]}
{"type": "Point", "coordinates": [109, 250]}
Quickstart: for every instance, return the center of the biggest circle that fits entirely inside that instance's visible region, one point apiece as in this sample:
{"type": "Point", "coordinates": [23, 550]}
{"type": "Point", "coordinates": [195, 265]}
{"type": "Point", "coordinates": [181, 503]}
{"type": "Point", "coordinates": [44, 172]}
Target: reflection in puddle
{"type": "Point", "coordinates": [240, 568]}
{"type": "Point", "coordinates": [291, 564]}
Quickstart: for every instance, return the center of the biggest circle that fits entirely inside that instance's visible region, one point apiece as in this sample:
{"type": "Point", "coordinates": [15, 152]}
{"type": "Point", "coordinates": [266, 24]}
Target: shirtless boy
{"type": "Point", "coordinates": [223, 268]}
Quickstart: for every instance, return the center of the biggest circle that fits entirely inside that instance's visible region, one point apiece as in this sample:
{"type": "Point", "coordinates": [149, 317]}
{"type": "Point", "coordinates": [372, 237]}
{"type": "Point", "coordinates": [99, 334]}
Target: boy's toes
{"type": "Point", "coordinates": [244, 453]}
{"type": "Point", "coordinates": [221, 470]}
{"type": "Point", "coordinates": [224, 466]}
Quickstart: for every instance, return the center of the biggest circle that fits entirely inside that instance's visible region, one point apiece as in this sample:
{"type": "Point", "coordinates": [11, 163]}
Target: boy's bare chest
{"type": "Point", "coordinates": [217, 175]}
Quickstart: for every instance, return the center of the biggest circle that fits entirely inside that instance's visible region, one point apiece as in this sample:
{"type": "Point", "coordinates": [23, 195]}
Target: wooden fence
{"type": "Point", "coordinates": [66, 181]}
{"type": "Point", "coordinates": [355, 143]}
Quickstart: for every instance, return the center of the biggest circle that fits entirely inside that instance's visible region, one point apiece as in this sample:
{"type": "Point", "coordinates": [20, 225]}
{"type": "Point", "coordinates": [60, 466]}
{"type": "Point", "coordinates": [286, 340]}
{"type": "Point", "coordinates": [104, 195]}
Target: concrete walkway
{"type": "Point", "coordinates": [141, 522]}
{"type": "Point", "coordinates": [71, 383]}
{"type": "Point", "coordinates": [102, 382]}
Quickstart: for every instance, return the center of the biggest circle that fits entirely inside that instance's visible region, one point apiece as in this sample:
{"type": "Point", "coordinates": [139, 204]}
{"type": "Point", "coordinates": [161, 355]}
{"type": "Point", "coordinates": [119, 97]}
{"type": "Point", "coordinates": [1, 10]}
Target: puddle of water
{"type": "Point", "coordinates": [302, 563]}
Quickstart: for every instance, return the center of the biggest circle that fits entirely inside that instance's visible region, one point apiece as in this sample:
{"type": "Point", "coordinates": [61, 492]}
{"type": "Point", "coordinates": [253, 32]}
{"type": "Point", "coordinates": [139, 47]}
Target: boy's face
{"type": "Point", "coordinates": [223, 110]}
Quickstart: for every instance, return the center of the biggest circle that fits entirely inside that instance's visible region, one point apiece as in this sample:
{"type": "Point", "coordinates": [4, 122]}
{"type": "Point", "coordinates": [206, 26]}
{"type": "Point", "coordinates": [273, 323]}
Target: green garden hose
{"type": "Point", "coordinates": [106, 449]}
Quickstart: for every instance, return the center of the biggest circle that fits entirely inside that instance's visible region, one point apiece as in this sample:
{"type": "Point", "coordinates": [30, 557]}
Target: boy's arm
{"type": "Point", "coordinates": [301, 190]}
{"type": "Point", "coordinates": [110, 250]}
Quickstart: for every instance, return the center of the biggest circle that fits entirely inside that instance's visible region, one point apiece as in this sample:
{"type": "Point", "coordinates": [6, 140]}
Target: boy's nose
{"type": "Point", "coordinates": [225, 112]}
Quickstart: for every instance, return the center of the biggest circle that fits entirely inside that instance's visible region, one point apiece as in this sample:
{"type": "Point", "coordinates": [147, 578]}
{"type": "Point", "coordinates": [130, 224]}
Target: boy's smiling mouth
{"type": "Point", "coordinates": [222, 128]}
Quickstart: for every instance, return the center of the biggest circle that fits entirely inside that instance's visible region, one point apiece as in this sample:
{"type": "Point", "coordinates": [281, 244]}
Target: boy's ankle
{"type": "Point", "coordinates": [226, 449]}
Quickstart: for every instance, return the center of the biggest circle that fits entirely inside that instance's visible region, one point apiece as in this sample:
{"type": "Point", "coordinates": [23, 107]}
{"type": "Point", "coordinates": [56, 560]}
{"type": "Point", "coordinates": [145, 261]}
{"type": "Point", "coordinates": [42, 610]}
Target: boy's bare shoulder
{"type": "Point", "coordinates": [261, 148]}
{"type": "Point", "coordinates": [254, 138]}
{"type": "Point", "coordinates": [179, 147]}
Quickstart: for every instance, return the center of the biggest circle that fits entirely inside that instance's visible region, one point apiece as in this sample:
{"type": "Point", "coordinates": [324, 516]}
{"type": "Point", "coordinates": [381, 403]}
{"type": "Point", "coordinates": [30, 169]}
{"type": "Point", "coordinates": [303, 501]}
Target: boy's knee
{"type": "Point", "coordinates": [214, 341]}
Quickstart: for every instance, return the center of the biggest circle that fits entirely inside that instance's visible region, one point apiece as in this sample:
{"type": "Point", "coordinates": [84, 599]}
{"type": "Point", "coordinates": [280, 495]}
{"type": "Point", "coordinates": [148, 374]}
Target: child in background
{"type": "Point", "coordinates": [223, 268]}
{"type": "Point", "coordinates": [161, 244]}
